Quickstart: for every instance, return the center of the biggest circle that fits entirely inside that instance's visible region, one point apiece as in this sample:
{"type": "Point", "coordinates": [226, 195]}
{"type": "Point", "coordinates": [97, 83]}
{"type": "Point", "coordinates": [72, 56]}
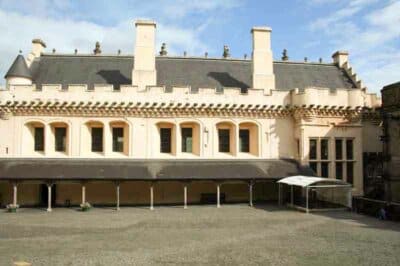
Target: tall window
{"type": "Point", "coordinates": [344, 164]}
{"type": "Point", "coordinates": [187, 139]}
{"type": "Point", "coordinates": [39, 138]}
{"type": "Point", "coordinates": [165, 140]}
{"type": "Point", "coordinates": [118, 139]}
{"type": "Point", "coordinates": [244, 140]}
{"type": "Point", "coordinates": [60, 138]}
{"type": "Point", "coordinates": [223, 140]}
{"type": "Point", "coordinates": [97, 139]}
{"type": "Point", "coordinates": [319, 156]}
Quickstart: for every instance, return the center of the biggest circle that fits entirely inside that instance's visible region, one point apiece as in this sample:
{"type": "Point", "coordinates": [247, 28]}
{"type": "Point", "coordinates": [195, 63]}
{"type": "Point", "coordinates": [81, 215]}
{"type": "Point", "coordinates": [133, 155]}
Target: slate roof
{"type": "Point", "coordinates": [19, 69]}
{"type": "Point", "coordinates": [183, 71]}
{"type": "Point", "coordinates": [149, 169]}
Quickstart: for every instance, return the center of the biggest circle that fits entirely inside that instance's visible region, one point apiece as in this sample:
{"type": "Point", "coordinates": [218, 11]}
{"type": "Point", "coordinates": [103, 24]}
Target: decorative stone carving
{"type": "Point", "coordinates": [226, 53]}
{"type": "Point", "coordinates": [97, 49]}
{"type": "Point", "coordinates": [5, 115]}
{"type": "Point", "coordinates": [285, 56]}
{"type": "Point", "coordinates": [163, 51]}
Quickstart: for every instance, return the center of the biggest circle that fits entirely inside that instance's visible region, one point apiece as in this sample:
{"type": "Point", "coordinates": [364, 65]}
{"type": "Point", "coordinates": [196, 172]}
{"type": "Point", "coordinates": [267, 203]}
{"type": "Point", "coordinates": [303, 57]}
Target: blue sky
{"type": "Point", "coordinates": [368, 29]}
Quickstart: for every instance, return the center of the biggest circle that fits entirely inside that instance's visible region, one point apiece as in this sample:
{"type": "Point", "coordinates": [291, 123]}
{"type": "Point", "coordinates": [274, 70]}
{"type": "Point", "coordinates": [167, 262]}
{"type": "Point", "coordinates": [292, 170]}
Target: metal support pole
{"type": "Point", "coordinates": [279, 194]}
{"type": "Point", "coordinates": [15, 194]}
{"type": "Point", "coordinates": [151, 197]}
{"type": "Point", "coordinates": [251, 194]}
{"type": "Point", "coordinates": [218, 196]}
{"type": "Point", "coordinates": [49, 197]}
{"type": "Point", "coordinates": [291, 196]}
{"type": "Point", "coordinates": [185, 196]}
{"type": "Point", "coordinates": [117, 190]}
{"type": "Point", "coordinates": [307, 200]}
{"type": "Point", "coordinates": [83, 193]}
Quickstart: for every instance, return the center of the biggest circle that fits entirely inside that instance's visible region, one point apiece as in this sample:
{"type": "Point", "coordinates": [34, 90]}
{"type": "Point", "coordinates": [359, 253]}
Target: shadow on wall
{"type": "Point", "coordinates": [226, 80]}
{"type": "Point", "coordinates": [114, 77]}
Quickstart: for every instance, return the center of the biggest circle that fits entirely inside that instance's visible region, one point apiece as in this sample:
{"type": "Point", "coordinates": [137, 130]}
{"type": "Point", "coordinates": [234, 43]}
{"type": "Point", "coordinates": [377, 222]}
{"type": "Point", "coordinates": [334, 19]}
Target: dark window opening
{"type": "Point", "coordinates": [313, 149]}
{"type": "Point", "coordinates": [224, 140]}
{"type": "Point", "coordinates": [325, 169]}
{"type": "Point", "coordinates": [165, 140]}
{"type": "Point", "coordinates": [350, 172]}
{"type": "Point", "coordinates": [338, 149]}
{"type": "Point", "coordinates": [313, 166]}
{"type": "Point", "coordinates": [339, 170]}
{"type": "Point", "coordinates": [97, 139]}
{"type": "Point", "coordinates": [349, 149]}
{"type": "Point", "coordinates": [60, 138]}
{"type": "Point", "coordinates": [118, 139]}
{"type": "Point", "coordinates": [187, 139]}
{"type": "Point", "coordinates": [39, 139]}
{"type": "Point", "coordinates": [244, 140]}
{"type": "Point", "coordinates": [324, 149]}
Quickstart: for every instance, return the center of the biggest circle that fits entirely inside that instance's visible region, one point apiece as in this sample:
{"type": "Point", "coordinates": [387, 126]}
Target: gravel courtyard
{"type": "Point", "coordinates": [201, 235]}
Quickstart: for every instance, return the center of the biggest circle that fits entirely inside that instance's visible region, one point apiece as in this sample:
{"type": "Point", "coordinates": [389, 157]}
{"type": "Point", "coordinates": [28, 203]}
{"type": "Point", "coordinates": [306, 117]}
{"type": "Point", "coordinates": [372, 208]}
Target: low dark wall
{"type": "Point", "coordinates": [371, 207]}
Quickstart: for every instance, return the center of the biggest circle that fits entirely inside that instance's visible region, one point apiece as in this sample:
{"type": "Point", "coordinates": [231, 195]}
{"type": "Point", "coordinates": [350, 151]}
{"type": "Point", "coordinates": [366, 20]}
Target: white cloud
{"type": "Point", "coordinates": [371, 34]}
{"type": "Point", "coordinates": [46, 19]}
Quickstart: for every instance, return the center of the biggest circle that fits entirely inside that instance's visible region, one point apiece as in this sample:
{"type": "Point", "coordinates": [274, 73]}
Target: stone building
{"type": "Point", "coordinates": [122, 129]}
{"type": "Point", "coordinates": [391, 141]}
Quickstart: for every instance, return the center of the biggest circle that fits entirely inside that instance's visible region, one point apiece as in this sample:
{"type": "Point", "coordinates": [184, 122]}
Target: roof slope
{"type": "Point", "coordinates": [148, 169]}
{"type": "Point", "coordinates": [181, 71]}
{"type": "Point", "coordinates": [19, 69]}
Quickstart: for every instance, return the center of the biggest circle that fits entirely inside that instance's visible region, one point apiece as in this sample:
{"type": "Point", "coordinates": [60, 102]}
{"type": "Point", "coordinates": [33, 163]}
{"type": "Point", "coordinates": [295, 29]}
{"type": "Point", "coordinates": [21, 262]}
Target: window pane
{"type": "Point", "coordinates": [349, 149]}
{"type": "Point", "coordinates": [39, 139]}
{"type": "Point", "coordinates": [324, 149]}
{"type": "Point", "coordinates": [187, 139]}
{"type": "Point", "coordinates": [165, 140]}
{"type": "Point", "coordinates": [97, 139]}
{"type": "Point", "coordinates": [60, 138]}
{"type": "Point", "coordinates": [339, 149]}
{"type": "Point", "coordinates": [350, 172]}
{"type": "Point", "coordinates": [118, 139]}
{"type": "Point", "coordinates": [244, 140]}
{"type": "Point", "coordinates": [224, 140]}
{"type": "Point", "coordinates": [339, 170]}
{"type": "Point", "coordinates": [313, 166]}
{"type": "Point", "coordinates": [313, 149]}
{"type": "Point", "coordinates": [325, 169]}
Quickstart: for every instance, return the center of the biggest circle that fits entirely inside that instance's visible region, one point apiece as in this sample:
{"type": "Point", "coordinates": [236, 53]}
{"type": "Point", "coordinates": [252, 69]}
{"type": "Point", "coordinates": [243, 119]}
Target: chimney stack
{"type": "Point", "coordinates": [263, 72]}
{"type": "Point", "coordinates": [340, 58]}
{"type": "Point", "coordinates": [38, 47]}
{"type": "Point", "coordinates": [144, 70]}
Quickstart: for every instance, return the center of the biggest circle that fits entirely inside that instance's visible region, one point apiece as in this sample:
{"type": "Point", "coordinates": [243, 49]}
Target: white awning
{"type": "Point", "coordinates": [305, 181]}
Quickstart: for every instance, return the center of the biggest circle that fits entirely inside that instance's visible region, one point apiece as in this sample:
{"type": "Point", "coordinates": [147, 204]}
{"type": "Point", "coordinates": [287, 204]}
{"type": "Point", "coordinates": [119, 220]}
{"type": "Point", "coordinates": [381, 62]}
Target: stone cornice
{"type": "Point", "coordinates": [157, 109]}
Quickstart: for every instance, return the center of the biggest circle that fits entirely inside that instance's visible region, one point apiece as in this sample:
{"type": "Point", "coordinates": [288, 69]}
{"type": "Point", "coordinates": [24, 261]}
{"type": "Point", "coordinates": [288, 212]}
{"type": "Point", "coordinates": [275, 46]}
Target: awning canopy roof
{"type": "Point", "coordinates": [149, 169]}
{"type": "Point", "coordinates": [305, 181]}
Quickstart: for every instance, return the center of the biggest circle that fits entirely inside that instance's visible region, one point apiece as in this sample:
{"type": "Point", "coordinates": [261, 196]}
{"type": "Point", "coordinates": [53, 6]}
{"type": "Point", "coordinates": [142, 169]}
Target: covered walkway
{"type": "Point", "coordinates": [152, 172]}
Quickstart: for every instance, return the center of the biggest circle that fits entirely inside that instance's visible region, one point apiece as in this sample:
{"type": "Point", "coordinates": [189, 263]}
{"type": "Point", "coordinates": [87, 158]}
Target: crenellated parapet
{"type": "Point", "coordinates": [105, 94]}
{"type": "Point", "coordinates": [155, 101]}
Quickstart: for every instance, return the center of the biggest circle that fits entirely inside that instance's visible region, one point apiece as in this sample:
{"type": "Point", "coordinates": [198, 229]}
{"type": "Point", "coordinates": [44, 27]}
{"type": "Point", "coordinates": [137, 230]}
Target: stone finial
{"type": "Point", "coordinates": [76, 51]}
{"type": "Point", "coordinates": [184, 53]}
{"type": "Point", "coordinates": [245, 56]}
{"type": "Point", "coordinates": [20, 51]}
{"type": "Point", "coordinates": [226, 53]}
{"type": "Point", "coordinates": [285, 56]}
{"type": "Point", "coordinates": [119, 51]}
{"type": "Point", "coordinates": [54, 50]}
{"type": "Point", "coordinates": [163, 51]}
{"type": "Point", "coordinates": [97, 49]}
{"type": "Point", "coordinates": [305, 59]}
{"type": "Point", "coordinates": [320, 60]}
